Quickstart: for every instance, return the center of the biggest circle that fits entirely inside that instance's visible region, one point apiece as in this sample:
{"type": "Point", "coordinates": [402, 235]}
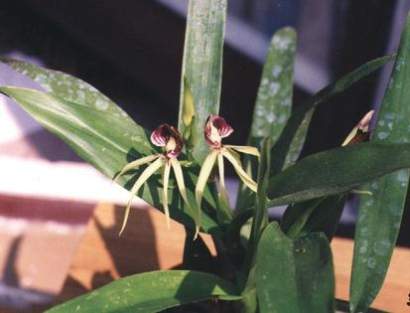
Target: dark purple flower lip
{"type": "Point", "coordinates": [167, 136]}
{"type": "Point", "coordinates": [216, 128]}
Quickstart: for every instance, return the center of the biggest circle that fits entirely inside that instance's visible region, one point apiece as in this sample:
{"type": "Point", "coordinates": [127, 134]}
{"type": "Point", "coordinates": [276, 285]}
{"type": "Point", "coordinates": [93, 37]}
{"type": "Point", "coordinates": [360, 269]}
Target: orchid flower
{"type": "Point", "coordinates": [170, 140]}
{"type": "Point", "coordinates": [216, 128]}
{"type": "Point", "coordinates": [361, 132]}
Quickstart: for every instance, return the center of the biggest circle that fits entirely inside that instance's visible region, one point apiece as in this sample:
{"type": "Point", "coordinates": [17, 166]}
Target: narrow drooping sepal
{"type": "Point", "coordinates": [246, 179]}
{"type": "Point", "coordinates": [135, 165]}
{"type": "Point", "coordinates": [245, 149]}
{"type": "Point", "coordinates": [146, 174]}
{"type": "Point", "coordinates": [204, 174]}
{"type": "Point", "coordinates": [165, 181]}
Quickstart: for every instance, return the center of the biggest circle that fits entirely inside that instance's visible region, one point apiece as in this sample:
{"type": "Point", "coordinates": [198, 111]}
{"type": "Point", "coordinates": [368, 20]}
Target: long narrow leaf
{"type": "Point", "coordinates": [68, 87]}
{"type": "Point", "coordinates": [380, 214]}
{"type": "Point", "coordinates": [202, 66]}
{"type": "Point", "coordinates": [150, 292]}
{"type": "Point", "coordinates": [337, 171]}
{"type": "Point", "coordinates": [274, 100]}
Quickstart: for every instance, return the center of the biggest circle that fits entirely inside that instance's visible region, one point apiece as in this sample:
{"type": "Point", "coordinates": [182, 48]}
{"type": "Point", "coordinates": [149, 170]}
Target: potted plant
{"type": "Point", "coordinates": [275, 267]}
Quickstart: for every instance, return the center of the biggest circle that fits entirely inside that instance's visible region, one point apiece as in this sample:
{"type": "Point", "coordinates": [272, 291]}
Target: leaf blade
{"type": "Point", "coordinates": [294, 276]}
{"type": "Point", "coordinates": [274, 99]}
{"type": "Point", "coordinates": [337, 171]}
{"type": "Point", "coordinates": [202, 66]}
{"type": "Point", "coordinates": [67, 87]}
{"type": "Point", "coordinates": [150, 292]}
{"type": "Point", "coordinates": [380, 215]}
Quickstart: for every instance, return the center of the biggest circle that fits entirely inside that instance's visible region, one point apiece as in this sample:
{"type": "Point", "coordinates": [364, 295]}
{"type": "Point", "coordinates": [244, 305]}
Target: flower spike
{"type": "Point", "coordinates": [216, 128]}
{"type": "Point", "coordinates": [168, 137]}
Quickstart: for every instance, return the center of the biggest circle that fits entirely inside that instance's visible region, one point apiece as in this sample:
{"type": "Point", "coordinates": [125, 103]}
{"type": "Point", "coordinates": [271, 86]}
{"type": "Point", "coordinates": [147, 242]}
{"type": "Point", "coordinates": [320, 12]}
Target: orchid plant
{"type": "Point", "coordinates": [271, 267]}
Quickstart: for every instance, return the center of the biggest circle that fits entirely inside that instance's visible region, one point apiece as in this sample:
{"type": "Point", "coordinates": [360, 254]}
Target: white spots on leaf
{"type": "Point", "coordinates": [274, 88]}
{"type": "Point", "coordinates": [371, 263]}
{"type": "Point", "coordinates": [101, 104]}
{"type": "Point", "coordinates": [382, 248]}
{"type": "Point", "coordinates": [391, 83]}
{"type": "Point", "coordinates": [374, 185]}
{"type": "Point", "coordinates": [400, 63]}
{"type": "Point", "coordinates": [282, 118]}
{"type": "Point", "coordinates": [136, 138]}
{"type": "Point", "coordinates": [403, 176]}
{"type": "Point", "coordinates": [382, 135]}
{"type": "Point", "coordinates": [286, 102]}
{"type": "Point", "coordinates": [81, 95]}
{"type": "Point", "coordinates": [397, 225]}
{"type": "Point", "coordinates": [271, 117]}
{"type": "Point", "coordinates": [396, 210]}
{"type": "Point", "coordinates": [389, 116]}
{"type": "Point", "coordinates": [281, 42]}
{"type": "Point", "coordinates": [364, 231]}
{"type": "Point", "coordinates": [363, 248]}
{"type": "Point", "coordinates": [276, 71]}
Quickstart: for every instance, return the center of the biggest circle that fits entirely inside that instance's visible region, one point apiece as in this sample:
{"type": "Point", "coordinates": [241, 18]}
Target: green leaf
{"type": "Point", "coordinates": [274, 100]}
{"type": "Point", "coordinates": [101, 138]}
{"type": "Point", "coordinates": [317, 215]}
{"type": "Point", "coordinates": [380, 214]}
{"type": "Point", "coordinates": [68, 87]}
{"type": "Point", "coordinates": [202, 67]}
{"type": "Point", "coordinates": [337, 171]}
{"type": "Point", "coordinates": [150, 292]}
{"type": "Point", "coordinates": [294, 276]}
{"type": "Point", "coordinates": [289, 145]}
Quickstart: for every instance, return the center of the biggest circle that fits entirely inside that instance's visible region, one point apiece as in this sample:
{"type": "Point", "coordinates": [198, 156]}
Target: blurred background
{"type": "Point", "coordinates": [132, 51]}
